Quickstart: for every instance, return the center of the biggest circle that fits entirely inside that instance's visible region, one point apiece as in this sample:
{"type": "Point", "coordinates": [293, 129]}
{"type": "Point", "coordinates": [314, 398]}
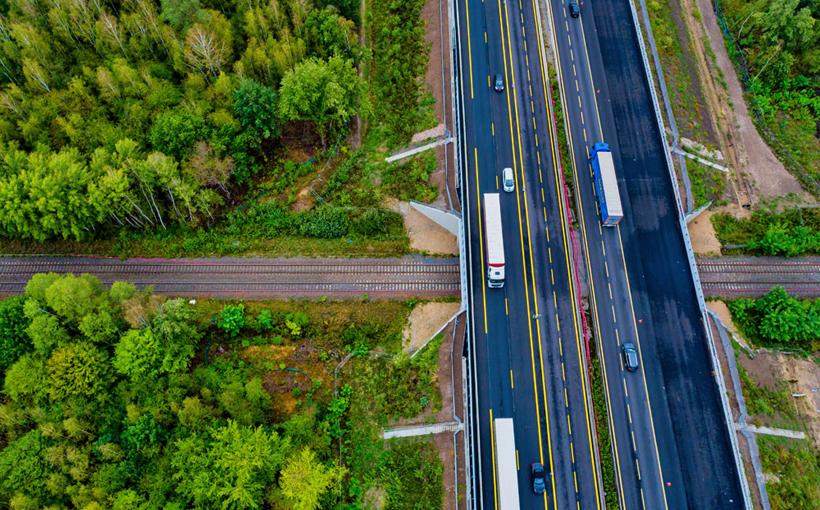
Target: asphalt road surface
{"type": "Point", "coordinates": [671, 443]}
{"type": "Point", "coordinates": [527, 352]}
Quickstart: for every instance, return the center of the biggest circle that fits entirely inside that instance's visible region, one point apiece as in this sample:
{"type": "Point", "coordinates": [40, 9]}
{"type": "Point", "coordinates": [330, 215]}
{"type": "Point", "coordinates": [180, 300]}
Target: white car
{"type": "Point", "coordinates": [508, 181]}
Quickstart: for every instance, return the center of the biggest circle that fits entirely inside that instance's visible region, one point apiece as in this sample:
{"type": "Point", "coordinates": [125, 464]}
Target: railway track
{"type": "Point", "coordinates": [251, 278]}
{"type": "Point", "coordinates": [733, 277]}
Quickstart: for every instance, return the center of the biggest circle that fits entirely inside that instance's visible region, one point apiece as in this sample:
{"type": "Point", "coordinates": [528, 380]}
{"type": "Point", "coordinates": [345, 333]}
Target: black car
{"type": "Point", "coordinates": [539, 478]}
{"type": "Point", "coordinates": [499, 83]}
{"type": "Point", "coordinates": [630, 355]}
{"type": "Point", "coordinates": [574, 8]}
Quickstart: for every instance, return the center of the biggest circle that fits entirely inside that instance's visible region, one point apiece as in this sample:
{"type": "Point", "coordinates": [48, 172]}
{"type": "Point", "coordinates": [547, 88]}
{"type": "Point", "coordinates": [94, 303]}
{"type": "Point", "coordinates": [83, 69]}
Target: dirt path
{"type": "Point", "coordinates": [760, 174]}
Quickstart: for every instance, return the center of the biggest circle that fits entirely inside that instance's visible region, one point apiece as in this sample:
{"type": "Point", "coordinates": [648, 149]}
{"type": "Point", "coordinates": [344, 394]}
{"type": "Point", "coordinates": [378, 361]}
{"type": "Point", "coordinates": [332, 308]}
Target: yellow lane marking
{"type": "Point", "coordinates": [532, 268]}
{"type": "Point", "coordinates": [507, 71]}
{"type": "Point", "coordinates": [512, 380]}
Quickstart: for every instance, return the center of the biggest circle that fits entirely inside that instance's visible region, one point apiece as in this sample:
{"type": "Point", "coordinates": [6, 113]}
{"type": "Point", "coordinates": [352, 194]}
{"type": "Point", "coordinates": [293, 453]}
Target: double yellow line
{"type": "Point", "coordinates": [509, 78]}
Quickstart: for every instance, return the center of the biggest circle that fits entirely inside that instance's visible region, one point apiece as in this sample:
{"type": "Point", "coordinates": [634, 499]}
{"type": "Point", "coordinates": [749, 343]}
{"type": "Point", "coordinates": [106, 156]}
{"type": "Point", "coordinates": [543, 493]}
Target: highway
{"type": "Point", "coordinates": [526, 349]}
{"type": "Point", "coordinates": [671, 445]}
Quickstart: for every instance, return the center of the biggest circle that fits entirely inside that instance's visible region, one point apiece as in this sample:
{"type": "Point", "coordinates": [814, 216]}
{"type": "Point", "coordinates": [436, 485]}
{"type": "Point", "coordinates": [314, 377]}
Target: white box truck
{"type": "Point", "coordinates": [494, 240]}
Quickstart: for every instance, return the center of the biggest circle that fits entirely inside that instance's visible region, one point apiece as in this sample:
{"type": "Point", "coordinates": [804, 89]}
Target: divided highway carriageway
{"type": "Point", "coordinates": [671, 442]}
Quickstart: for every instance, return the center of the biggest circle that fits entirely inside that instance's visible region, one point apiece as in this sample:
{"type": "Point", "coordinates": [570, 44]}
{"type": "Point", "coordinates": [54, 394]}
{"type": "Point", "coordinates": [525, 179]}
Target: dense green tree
{"type": "Point", "coordinates": [327, 93]}
{"type": "Point", "coordinates": [14, 341]}
{"type": "Point", "coordinates": [73, 297]}
{"type": "Point", "coordinates": [138, 355]}
{"type": "Point", "coordinates": [77, 370]}
{"type": "Point", "coordinates": [231, 470]}
{"type": "Point", "coordinates": [327, 34]}
{"type": "Point", "coordinates": [23, 469]}
{"type": "Point", "coordinates": [174, 133]}
{"type": "Point", "coordinates": [255, 107]}
{"type": "Point", "coordinates": [46, 333]}
{"type": "Point", "coordinates": [177, 334]}
{"type": "Point", "coordinates": [779, 319]}
{"type": "Point", "coordinates": [304, 480]}
{"type": "Point", "coordinates": [99, 327]}
{"type": "Point", "coordinates": [27, 380]}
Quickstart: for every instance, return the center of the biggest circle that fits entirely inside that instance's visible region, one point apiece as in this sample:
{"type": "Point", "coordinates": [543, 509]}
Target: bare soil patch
{"type": "Point", "coordinates": [722, 311]}
{"type": "Point", "coordinates": [425, 234]}
{"type": "Point", "coordinates": [424, 321]}
{"type": "Point", "coordinates": [803, 377]}
{"type": "Point", "coordinates": [702, 234]}
{"type": "Point", "coordinates": [761, 368]}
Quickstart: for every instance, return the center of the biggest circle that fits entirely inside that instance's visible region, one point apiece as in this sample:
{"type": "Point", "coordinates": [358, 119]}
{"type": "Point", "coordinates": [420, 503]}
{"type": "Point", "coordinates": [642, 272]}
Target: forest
{"type": "Point", "coordinates": [118, 398]}
{"type": "Point", "coordinates": [140, 117]}
{"type": "Point", "coordinates": [777, 45]}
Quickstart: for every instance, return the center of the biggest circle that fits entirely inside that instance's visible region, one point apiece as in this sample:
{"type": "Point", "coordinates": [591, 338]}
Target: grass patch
{"type": "Point", "coordinates": [411, 475]}
{"type": "Point", "coordinates": [672, 46]}
{"type": "Point", "coordinates": [794, 469]}
{"type": "Point", "coordinates": [791, 232]}
{"type": "Point", "coordinates": [708, 184]}
{"type": "Point", "coordinates": [602, 428]}
{"type": "Point", "coordinates": [767, 406]}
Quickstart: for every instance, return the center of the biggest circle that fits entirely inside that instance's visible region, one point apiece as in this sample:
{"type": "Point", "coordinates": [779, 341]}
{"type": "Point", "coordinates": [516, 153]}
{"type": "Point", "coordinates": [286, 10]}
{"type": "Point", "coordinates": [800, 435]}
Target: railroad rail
{"type": "Point", "coordinates": [734, 277]}
{"type": "Point", "coordinates": [254, 278]}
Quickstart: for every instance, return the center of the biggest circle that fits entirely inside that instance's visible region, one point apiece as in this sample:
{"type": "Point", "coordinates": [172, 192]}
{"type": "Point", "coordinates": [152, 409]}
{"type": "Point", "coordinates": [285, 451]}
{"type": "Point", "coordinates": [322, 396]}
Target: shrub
{"type": "Point", "coordinates": [232, 319]}
{"type": "Point", "coordinates": [325, 223]}
{"type": "Point", "coordinates": [779, 319]}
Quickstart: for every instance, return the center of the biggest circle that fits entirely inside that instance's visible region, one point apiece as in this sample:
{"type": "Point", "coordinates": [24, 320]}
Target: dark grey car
{"type": "Point", "coordinates": [630, 355]}
{"type": "Point", "coordinates": [574, 8]}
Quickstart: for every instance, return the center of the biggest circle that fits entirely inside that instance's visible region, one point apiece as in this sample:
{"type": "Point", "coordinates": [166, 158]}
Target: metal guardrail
{"type": "Point", "coordinates": [690, 254]}
{"type": "Point", "coordinates": [471, 456]}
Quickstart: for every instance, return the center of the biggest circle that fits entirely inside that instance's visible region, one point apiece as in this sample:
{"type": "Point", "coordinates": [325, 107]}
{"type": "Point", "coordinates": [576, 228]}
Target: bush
{"type": "Point", "coordinates": [410, 180]}
{"type": "Point", "coordinates": [232, 319]}
{"type": "Point", "coordinates": [325, 223]}
{"type": "Point", "coordinates": [792, 232]}
{"type": "Point", "coordinates": [375, 222]}
{"type": "Point", "coordinates": [778, 319]}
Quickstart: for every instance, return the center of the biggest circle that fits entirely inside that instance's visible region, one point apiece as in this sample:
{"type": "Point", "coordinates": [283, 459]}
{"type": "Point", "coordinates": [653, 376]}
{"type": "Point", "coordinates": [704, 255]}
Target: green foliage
{"type": "Point", "coordinates": [400, 63]}
{"type": "Point", "coordinates": [791, 233]}
{"type": "Point", "coordinates": [229, 468]}
{"type": "Point", "coordinates": [14, 341]}
{"type": "Point", "coordinates": [795, 465]}
{"type": "Point", "coordinates": [77, 370]}
{"type": "Point", "coordinates": [778, 319]}
{"type": "Point", "coordinates": [95, 421]}
{"type": "Point", "coordinates": [23, 469]}
{"type": "Point", "coordinates": [174, 133]}
{"type": "Point", "coordinates": [255, 108]}
{"type": "Point", "coordinates": [411, 472]}
{"type": "Point", "coordinates": [410, 181]}
{"type": "Point", "coordinates": [327, 93]}
{"type": "Point", "coordinates": [232, 319]}
{"type": "Point", "coordinates": [707, 183]}
{"type": "Point", "coordinates": [778, 40]}
{"type": "Point", "coordinates": [325, 223]}
{"type": "Point", "coordinates": [304, 480]}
